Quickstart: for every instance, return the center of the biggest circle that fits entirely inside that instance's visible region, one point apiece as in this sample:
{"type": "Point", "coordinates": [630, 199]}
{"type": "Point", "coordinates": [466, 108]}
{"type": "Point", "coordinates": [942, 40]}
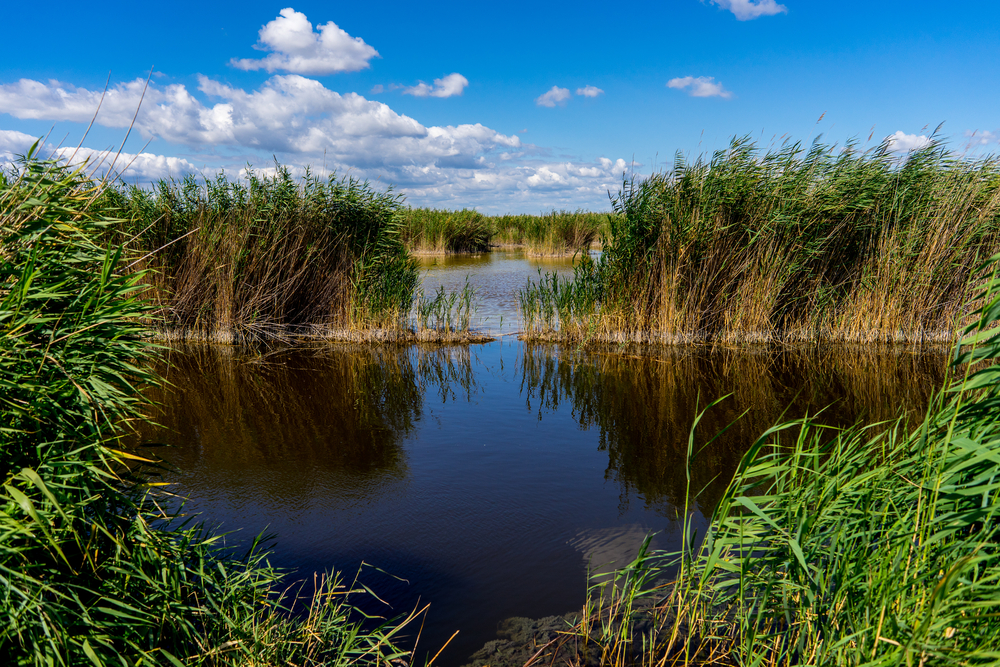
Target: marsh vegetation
{"type": "Point", "coordinates": [558, 233]}
{"type": "Point", "coordinates": [825, 243]}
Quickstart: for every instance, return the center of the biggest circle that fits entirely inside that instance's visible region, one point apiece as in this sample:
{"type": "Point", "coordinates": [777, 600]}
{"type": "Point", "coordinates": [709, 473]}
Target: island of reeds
{"type": "Point", "coordinates": [555, 234]}
{"type": "Point", "coordinates": [826, 243]}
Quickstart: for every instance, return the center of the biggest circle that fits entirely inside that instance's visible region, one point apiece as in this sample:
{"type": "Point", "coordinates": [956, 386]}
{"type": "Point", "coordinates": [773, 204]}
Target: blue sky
{"type": "Point", "coordinates": [519, 106]}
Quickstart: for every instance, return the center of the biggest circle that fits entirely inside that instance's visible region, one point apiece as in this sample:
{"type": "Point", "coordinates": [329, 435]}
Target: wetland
{"type": "Point", "coordinates": [488, 480]}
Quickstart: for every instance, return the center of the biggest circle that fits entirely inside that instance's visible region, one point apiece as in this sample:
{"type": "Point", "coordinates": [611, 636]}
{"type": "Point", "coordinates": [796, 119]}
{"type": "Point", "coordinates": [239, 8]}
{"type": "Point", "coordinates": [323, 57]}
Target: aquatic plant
{"type": "Point", "coordinates": [828, 242]}
{"type": "Point", "coordinates": [446, 311]}
{"type": "Point", "coordinates": [95, 571]}
{"type": "Point", "coordinates": [233, 260]}
{"type": "Point", "coordinates": [554, 234]}
{"type": "Point", "coordinates": [436, 231]}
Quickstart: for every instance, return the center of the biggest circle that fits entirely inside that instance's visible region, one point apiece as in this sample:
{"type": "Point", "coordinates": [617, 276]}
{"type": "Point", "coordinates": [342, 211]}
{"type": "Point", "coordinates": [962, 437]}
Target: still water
{"type": "Point", "coordinates": [487, 479]}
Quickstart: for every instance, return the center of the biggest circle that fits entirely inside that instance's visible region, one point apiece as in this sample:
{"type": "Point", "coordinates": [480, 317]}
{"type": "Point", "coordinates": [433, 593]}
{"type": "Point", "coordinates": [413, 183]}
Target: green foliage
{"type": "Point", "coordinates": [432, 230]}
{"type": "Point", "coordinates": [867, 545]}
{"type": "Point", "coordinates": [94, 572]}
{"type": "Point", "coordinates": [446, 311]}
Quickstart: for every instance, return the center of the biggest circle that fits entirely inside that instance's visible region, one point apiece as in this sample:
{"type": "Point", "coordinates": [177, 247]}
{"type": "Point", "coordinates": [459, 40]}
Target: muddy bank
{"type": "Point", "coordinates": [303, 335]}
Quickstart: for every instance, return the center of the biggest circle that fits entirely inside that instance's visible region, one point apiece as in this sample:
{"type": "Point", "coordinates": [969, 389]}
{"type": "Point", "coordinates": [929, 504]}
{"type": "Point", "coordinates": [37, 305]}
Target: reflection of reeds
{"type": "Point", "coordinates": [344, 409]}
{"type": "Point", "coordinates": [791, 244]}
{"type": "Point", "coordinates": [645, 403]}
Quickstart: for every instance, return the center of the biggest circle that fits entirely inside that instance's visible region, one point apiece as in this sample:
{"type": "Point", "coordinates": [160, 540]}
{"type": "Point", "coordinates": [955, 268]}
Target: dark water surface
{"type": "Point", "coordinates": [487, 476]}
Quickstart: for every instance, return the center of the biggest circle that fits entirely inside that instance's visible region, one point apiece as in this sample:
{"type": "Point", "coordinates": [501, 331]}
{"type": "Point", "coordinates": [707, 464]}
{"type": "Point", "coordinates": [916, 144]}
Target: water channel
{"type": "Point", "coordinates": [486, 479]}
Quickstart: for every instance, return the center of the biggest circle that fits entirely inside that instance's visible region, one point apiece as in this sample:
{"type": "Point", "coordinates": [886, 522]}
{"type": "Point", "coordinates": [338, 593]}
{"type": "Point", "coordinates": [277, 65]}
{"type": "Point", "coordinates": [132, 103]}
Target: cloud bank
{"type": "Point", "coordinates": [700, 86]}
{"type": "Point", "coordinates": [746, 10]}
{"type": "Point", "coordinates": [304, 123]}
{"type": "Point", "coordinates": [296, 48]}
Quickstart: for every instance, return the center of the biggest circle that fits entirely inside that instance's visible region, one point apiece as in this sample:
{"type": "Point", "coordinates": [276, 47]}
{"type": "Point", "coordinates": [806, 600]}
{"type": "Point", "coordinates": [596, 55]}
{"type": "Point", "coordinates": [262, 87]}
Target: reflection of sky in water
{"type": "Point", "coordinates": [496, 277]}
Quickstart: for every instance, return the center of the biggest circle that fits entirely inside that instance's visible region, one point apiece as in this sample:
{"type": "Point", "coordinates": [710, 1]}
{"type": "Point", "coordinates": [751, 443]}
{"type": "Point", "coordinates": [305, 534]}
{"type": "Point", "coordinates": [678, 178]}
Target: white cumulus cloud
{"type": "Point", "coordinates": [144, 167]}
{"type": "Point", "coordinates": [745, 10]}
{"type": "Point", "coordinates": [295, 47]}
{"type": "Point", "coordinates": [554, 96]}
{"type": "Point", "coordinates": [305, 124]}
{"type": "Point", "coordinates": [447, 86]}
{"type": "Point", "coordinates": [287, 114]}
{"type": "Point", "coordinates": [900, 142]}
{"type": "Point", "coordinates": [700, 86]}
{"type": "Point", "coordinates": [589, 91]}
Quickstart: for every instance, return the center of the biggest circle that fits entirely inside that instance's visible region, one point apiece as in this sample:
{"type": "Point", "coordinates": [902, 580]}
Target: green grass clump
{"type": "Point", "coordinates": [94, 570]}
{"type": "Point", "coordinates": [828, 243]}
{"type": "Point", "coordinates": [233, 260]}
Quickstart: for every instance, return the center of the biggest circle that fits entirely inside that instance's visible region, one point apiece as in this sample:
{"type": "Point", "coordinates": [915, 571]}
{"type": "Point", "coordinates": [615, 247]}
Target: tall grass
{"type": "Point", "coordinates": [427, 230]}
{"type": "Point", "coordinates": [94, 571]}
{"type": "Point", "coordinates": [829, 243]}
{"type": "Point", "coordinates": [554, 234]}
{"type": "Point", "coordinates": [868, 545]}
{"type": "Point", "coordinates": [232, 260]}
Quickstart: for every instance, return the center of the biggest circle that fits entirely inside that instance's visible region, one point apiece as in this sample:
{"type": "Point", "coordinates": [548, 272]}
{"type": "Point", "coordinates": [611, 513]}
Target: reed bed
{"type": "Point", "coordinates": [825, 243]}
{"type": "Point", "coordinates": [95, 571]}
{"type": "Point", "coordinates": [232, 260]}
{"type": "Point", "coordinates": [861, 545]}
{"type": "Point", "coordinates": [432, 231]}
{"type": "Point", "coordinates": [556, 234]}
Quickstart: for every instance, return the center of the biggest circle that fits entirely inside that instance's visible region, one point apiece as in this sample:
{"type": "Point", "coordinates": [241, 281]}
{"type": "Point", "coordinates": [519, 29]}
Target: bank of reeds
{"type": "Point", "coordinates": [236, 260]}
{"type": "Point", "coordinates": [830, 243]}
{"type": "Point", "coordinates": [95, 571]}
{"type": "Point", "coordinates": [554, 234]}
{"type": "Point", "coordinates": [433, 231]}
{"type": "Point", "coordinates": [865, 545]}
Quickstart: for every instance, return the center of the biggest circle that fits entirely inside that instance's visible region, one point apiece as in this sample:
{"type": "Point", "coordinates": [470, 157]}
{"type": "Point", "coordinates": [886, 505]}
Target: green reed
{"type": "Point", "coordinates": [554, 234]}
{"type": "Point", "coordinates": [446, 311]}
{"type": "Point", "coordinates": [94, 570]}
{"type": "Point", "coordinates": [435, 231]}
{"type": "Point", "coordinates": [868, 545]}
{"type": "Point", "coordinates": [233, 260]}
{"type": "Point", "coordinates": [826, 242]}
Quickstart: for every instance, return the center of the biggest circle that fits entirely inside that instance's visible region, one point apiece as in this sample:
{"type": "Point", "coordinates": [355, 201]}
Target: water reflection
{"type": "Point", "coordinates": [644, 405]}
{"type": "Point", "coordinates": [486, 477]}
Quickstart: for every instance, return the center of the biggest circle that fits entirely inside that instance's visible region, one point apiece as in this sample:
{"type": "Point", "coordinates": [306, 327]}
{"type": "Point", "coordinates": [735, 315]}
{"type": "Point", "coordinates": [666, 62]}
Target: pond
{"type": "Point", "coordinates": [486, 479]}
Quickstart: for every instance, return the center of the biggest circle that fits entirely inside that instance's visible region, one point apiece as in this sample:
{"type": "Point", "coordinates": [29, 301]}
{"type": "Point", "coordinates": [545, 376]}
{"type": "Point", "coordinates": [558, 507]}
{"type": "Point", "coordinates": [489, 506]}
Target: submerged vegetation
{"type": "Point", "coordinates": [95, 571]}
{"type": "Point", "coordinates": [233, 260]}
{"type": "Point", "coordinates": [555, 234]}
{"type": "Point", "coordinates": [791, 244]}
